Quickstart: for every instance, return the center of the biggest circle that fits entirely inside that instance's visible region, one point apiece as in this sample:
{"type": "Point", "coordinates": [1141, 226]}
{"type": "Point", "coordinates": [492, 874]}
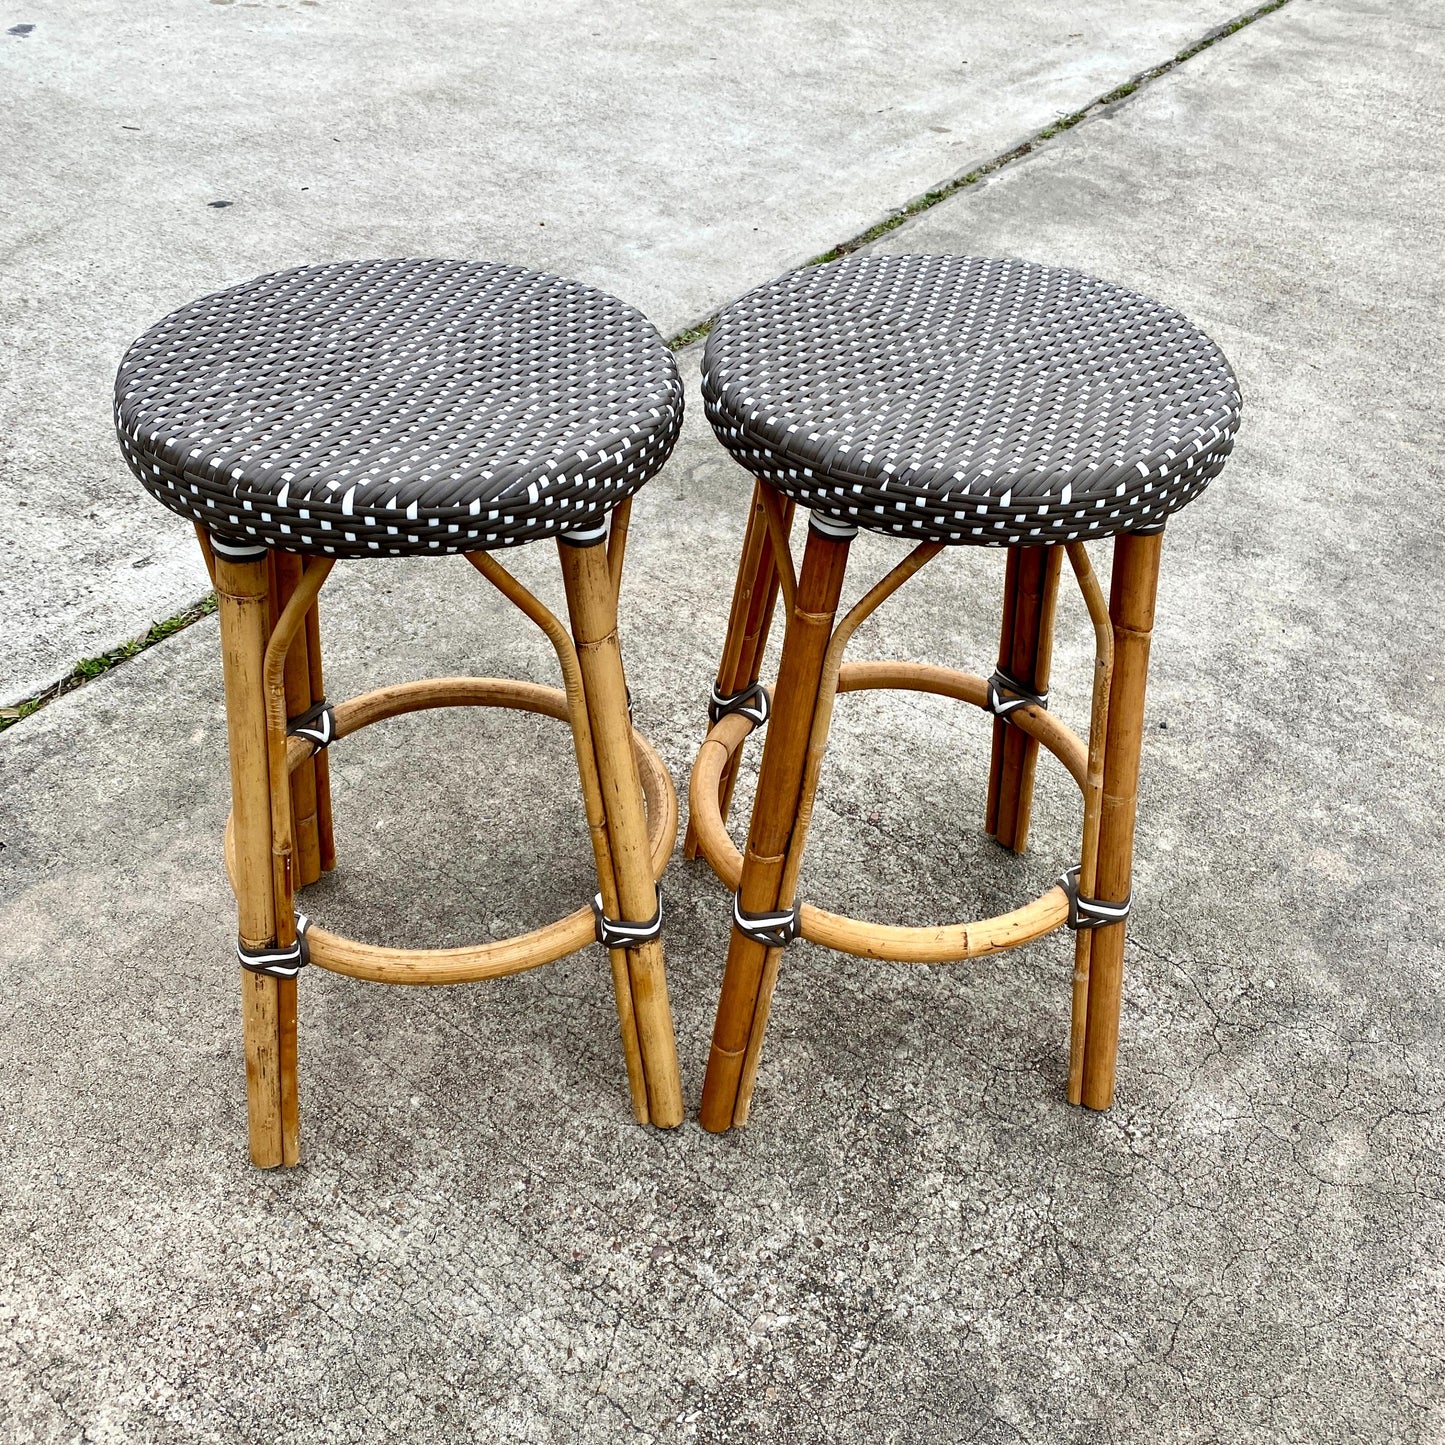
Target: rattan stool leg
{"type": "Point", "coordinates": [1031, 581]}
{"type": "Point", "coordinates": [780, 781]}
{"type": "Point", "coordinates": [592, 605]}
{"type": "Point", "coordinates": [1131, 606]}
{"type": "Point", "coordinates": [321, 763]}
{"type": "Point", "coordinates": [243, 591]}
{"type": "Point", "coordinates": [755, 600]}
{"type": "Point", "coordinates": [286, 569]}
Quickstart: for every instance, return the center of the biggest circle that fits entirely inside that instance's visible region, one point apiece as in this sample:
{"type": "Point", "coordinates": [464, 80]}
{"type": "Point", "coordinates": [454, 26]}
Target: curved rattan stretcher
{"type": "Point", "coordinates": [948, 943]}
{"type": "Point", "coordinates": [500, 957]}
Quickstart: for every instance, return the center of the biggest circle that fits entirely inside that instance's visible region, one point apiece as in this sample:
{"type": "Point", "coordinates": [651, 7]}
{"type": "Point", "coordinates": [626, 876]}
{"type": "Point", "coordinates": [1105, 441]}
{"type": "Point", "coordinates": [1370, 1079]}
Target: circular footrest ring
{"type": "Point", "coordinates": [469, 964]}
{"type": "Point", "coordinates": [947, 943]}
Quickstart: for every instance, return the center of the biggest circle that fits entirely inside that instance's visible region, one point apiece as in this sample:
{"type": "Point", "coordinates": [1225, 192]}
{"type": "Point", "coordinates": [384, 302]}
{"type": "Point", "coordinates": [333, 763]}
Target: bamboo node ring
{"type": "Point", "coordinates": [1007, 694]}
{"type": "Point", "coordinates": [775, 929]}
{"type": "Point", "coordinates": [619, 933]}
{"type": "Point", "coordinates": [752, 702]}
{"type": "Point", "coordinates": [1090, 912]}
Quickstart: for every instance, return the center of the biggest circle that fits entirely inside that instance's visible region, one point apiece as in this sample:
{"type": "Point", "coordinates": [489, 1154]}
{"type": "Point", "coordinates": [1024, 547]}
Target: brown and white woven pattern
{"type": "Point", "coordinates": [388, 407]}
{"type": "Point", "coordinates": [955, 399]}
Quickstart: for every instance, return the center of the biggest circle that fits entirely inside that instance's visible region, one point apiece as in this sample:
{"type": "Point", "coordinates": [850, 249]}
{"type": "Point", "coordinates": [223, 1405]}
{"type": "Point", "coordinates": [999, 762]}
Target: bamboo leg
{"type": "Point", "coordinates": [321, 763]}
{"type": "Point", "coordinates": [592, 605]}
{"type": "Point", "coordinates": [592, 803]}
{"type": "Point", "coordinates": [286, 1022]}
{"type": "Point", "coordinates": [305, 819]}
{"type": "Point", "coordinates": [812, 774]}
{"type": "Point", "coordinates": [755, 599]}
{"type": "Point", "coordinates": [617, 529]}
{"type": "Point", "coordinates": [762, 608]}
{"type": "Point", "coordinates": [780, 783]}
{"type": "Point", "coordinates": [207, 555]}
{"type": "Point", "coordinates": [286, 631]}
{"type": "Point", "coordinates": [243, 590]}
{"type": "Point", "coordinates": [755, 551]}
{"type": "Point", "coordinates": [1005, 661]}
{"type": "Point", "coordinates": [1093, 803]}
{"type": "Point", "coordinates": [1025, 643]}
{"type": "Point", "coordinates": [1131, 606]}
{"type": "Point", "coordinates": [1043, 667]}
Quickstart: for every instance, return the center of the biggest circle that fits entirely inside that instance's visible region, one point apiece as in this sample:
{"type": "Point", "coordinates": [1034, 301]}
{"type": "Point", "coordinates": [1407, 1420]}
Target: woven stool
{"type": "Point", "coordinates": [953, 402]}
{"type": "Point", "coordinates": [411, 408]}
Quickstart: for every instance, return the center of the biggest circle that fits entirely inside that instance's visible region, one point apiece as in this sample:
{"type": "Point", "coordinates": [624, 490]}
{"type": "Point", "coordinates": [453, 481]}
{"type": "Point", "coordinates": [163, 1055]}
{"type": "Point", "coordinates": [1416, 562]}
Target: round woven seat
{"type": "Point", "coordinates": [398, 407]}
{"type": "Point", "coordinates": [962, 400]}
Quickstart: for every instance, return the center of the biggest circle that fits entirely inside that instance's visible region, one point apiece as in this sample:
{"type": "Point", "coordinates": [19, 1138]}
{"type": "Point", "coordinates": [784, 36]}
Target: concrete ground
{"type": "Point", "coordinates": [916, 1239]}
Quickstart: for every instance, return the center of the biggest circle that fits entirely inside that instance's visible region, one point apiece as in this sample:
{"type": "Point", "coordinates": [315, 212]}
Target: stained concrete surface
{"type": "Point", "coordinates": [916, 1239]}
{"type": "Point", "coordinates": [676, 155]}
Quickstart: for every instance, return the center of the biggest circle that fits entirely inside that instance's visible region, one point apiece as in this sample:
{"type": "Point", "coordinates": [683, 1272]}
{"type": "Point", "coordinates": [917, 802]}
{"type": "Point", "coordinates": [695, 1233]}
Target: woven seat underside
{"type": "Point", "coordinates": [962, 400]}
{"type": "Point", "coordinates": [395, 407]}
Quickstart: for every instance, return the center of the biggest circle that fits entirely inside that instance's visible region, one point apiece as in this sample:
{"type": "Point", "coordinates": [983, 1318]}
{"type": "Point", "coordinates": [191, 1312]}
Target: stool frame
{"type": "Point", "coordinates": [279, 835]}
{"type": "Point", "coordinates": [811, 674]}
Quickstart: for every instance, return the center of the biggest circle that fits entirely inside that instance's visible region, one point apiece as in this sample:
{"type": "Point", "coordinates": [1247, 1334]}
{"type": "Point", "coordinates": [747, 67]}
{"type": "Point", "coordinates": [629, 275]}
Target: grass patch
{"type": "Point", "coordinates": [693, 333]}
{"type": "Point", "coordinates": [92, 667]}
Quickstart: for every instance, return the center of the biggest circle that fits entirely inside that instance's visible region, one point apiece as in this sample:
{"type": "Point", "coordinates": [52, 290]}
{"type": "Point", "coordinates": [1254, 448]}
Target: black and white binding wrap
{"type": "Point", "coordinates": [958, 399]}
{"type": "Point", "coordinates": [1090, 912]}
{"type": "Point", "coordinates": [751, 702]}
{"type": "Point", "coordinates": [832, 527]}
{"type": "Point", "coordinates": [619, 933]}
{"type": "Point", "coordinates": [276, 962]}
{"type": "Point", "coordinates": [317, 725]}
{"type": "Point", "coordinates": [586, 536]}
{"type": "Point", "coordinates": [237, 551]}
{"type": "Point", "coordinates": [387, 408]}
{"type": "Point", "coordinates": [773, 930]}
{"type": "Point", "coordinates": [1006, 694]}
